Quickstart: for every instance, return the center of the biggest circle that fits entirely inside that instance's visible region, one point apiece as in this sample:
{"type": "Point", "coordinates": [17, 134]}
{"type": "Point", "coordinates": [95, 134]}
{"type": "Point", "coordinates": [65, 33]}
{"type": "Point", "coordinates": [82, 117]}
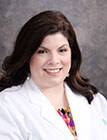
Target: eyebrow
{"type": "Point", "coordinates": [58, 48]}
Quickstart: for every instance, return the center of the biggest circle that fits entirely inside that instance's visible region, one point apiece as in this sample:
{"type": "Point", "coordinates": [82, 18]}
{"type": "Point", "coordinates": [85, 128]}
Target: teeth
{"type": "Point", "coordinates": [52, 71]}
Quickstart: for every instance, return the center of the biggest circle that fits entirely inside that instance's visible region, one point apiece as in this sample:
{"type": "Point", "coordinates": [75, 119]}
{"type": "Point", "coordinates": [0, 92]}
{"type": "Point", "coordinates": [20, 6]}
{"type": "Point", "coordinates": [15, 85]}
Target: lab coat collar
{"type": "Point", "coordinates": [47, 111]}
{"type": "Point", "coordinates": [81, 112]}
{"type": "Point", "coordinates": [80, 109]}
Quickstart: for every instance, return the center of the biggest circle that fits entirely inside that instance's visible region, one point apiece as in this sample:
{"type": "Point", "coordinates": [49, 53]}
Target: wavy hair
{"type": "Point", "coordinates": [15, 68]}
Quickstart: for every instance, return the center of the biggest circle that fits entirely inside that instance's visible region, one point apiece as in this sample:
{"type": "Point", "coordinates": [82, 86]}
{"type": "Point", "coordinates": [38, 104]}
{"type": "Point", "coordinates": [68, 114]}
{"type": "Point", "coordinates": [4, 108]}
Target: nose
{"type": "Point", "coordinates": [54, 59]}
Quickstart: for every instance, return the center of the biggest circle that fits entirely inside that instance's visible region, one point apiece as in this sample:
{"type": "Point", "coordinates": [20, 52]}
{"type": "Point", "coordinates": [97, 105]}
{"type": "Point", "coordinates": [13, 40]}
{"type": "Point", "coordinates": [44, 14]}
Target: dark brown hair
{"type": "Point", "coordinates": [15, 68]}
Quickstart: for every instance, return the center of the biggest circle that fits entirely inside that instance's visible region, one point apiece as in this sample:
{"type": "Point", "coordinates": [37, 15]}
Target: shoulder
{"type": "Point", "coordinates": [12, 95]}
{"type": "Point", "coordinates": [10, 112]}
{"type": "Point", "coordinates": [10, 90]}
{"type": "Point", "coordinates": [100, 103]}
{"type": "Point", "coordinates": [100, 99]}
{"type": "Point", "coordinates": [13, 101]}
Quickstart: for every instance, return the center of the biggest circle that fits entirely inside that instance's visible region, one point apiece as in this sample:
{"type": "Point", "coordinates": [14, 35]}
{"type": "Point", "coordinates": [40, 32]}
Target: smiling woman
{"type": "Point", "coordinates": [43, 96]}
{"type": "Point", "coordinates": [51, 62]}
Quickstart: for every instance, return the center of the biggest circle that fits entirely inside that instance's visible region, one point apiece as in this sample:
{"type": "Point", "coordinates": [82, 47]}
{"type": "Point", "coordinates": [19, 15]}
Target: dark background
{"type": "Point", "coordinates": [88, 17]}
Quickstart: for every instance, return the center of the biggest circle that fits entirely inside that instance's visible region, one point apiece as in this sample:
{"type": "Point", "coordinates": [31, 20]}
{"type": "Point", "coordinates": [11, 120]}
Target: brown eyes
{"type": "Point", "coordinates": [62, 50]}
{"type": "Point", "coordinates": [41, 51]}
{"type": "Point", "coordinates": [44, 51]}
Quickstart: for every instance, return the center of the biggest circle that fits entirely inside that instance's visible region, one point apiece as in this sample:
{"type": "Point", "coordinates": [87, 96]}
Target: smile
{"type": "Point", "coordinates": [53, 71]}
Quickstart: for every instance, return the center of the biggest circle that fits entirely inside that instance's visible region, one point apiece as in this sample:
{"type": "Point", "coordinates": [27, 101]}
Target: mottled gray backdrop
{"type": "Point", "coordinates": [88, 17]}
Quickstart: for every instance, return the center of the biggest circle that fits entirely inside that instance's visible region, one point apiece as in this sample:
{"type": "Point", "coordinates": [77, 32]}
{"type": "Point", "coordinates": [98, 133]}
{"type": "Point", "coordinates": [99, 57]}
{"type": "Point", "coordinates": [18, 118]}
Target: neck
{"type": "Point", "coordinates": [53, 91]}
{"type": "Point", "coordinates": [56, 95]}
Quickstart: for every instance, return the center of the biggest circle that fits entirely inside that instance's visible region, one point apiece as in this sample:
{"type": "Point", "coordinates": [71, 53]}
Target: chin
{"type": "Point", "coordinates": [55, 83]}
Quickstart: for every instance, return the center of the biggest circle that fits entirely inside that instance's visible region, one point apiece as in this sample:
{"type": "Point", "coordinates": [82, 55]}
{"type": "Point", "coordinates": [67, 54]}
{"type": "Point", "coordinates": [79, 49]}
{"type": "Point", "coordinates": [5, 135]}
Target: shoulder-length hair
{"type": "Point", "coordinates": [15, 67]}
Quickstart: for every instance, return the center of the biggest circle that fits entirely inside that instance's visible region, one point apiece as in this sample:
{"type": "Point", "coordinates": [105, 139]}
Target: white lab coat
{"type": "Point", "coordinates": [26, 114]}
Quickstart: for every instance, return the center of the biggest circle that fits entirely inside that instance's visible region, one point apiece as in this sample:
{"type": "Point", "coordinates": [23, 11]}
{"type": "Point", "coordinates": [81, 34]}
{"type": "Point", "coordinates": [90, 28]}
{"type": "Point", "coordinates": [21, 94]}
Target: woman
{"type": "Point", "coordinates": [43, 96]}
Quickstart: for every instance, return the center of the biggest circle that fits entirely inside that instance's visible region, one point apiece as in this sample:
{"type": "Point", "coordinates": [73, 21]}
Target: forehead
{"type": "Point", "coordinates": [57, 39]}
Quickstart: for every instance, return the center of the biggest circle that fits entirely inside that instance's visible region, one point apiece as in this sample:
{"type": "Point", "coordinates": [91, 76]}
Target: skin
{"type": "Point", "coordinates": [50, 65]}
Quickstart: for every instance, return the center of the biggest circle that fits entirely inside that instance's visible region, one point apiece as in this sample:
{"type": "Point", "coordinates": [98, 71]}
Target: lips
{"type": "Point", "coordinates": [53, 71]}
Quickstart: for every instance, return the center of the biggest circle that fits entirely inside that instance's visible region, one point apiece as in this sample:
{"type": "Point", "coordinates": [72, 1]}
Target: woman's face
{"type": "Point", "coordinates": [51, 63]}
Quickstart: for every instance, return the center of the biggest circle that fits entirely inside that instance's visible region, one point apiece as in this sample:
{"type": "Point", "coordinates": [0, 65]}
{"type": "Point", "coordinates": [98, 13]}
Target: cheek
{"type": "Point", "coordinates": [36, 63]}
{"type": "Point", "coordinates": [67, 61]}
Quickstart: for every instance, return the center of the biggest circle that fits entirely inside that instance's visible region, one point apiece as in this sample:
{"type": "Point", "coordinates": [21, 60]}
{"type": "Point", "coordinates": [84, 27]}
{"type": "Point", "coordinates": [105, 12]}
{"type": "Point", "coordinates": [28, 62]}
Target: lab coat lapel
{"type": "Point", "coordinates": [47, 111]}
{"type": "Point", "coordinates": [81, 112]}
